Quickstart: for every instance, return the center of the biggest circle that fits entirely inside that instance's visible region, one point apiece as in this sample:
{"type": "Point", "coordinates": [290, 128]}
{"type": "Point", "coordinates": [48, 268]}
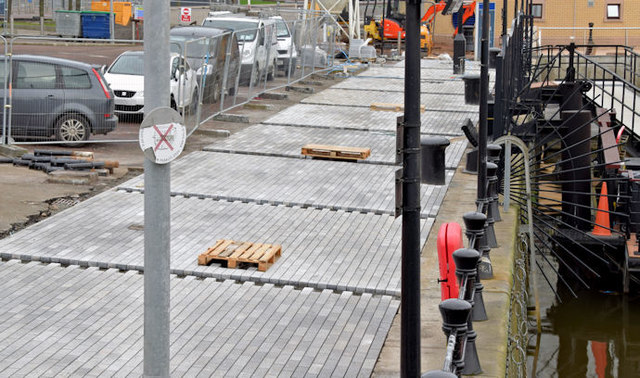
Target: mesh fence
{"type": "Point", "coordinates": [213, 69]}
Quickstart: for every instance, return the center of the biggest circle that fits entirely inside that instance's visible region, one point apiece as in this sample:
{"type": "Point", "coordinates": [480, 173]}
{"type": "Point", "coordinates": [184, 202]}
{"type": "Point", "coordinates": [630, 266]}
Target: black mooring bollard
{"type": "Point", "coordinates": [474, 224]}
{"type": "Point", "coordinates": [432, 151]}
{"type": "Point", "coordinates": [471, 89]}
{"type": "Point", "coordinates": [492, 192]}
{"type": "Point", "coordinates": [493, 156]}
{"type": "Point", "coordinates": [466, 261]}
{"type": "Point", "coordinates": [489, 230]}
{"type": "Point", "coordinates": [493, 53]}
{"type": "Point", "coordinates": [455, 314]}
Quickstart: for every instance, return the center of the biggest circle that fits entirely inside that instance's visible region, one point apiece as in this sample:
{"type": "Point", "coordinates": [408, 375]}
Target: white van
{"type": "Point", "coordinates": [287, 52]}
{"type": "Point", "coordinates": [257, 42]}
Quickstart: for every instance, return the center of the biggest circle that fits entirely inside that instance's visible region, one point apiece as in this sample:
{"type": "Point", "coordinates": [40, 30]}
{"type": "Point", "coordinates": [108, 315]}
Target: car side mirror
{"type": "Point", "coordinates": [103, 68]}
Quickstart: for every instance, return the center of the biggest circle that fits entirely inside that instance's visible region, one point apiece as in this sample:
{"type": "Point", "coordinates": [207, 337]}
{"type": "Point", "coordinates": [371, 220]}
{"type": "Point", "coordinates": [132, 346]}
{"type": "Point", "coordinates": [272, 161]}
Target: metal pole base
{"type": "Point", "coordinates": [478, 311]}
{"type": "Point", "coordinates": [471, 360]}
{"type": "Point", "coordinates": [494, 210]}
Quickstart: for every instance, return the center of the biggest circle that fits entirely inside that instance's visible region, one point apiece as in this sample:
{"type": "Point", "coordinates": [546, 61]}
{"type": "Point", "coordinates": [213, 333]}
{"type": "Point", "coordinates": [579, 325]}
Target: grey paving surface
{"type": "Point", "coordinates": [321, 248]}
{"type": "Point", "coordinates": [287, 141]}
{"type": "Point", "coordinates": [446, 123]}
{"type": "Point", "coordinates": [77, 322]}
{"type": "Point", "coordinates": [343, 97]}
{"type": "Point", "coordinates": [323, 309]}
{"type": "Point", "coordinates": [323, 184]}
{"type": "Point", "coordinates": [429, 69]}
{"type": "Point", "coordinates": [451, 86]}
{"type": "Point", "coordinates": [442, 64]}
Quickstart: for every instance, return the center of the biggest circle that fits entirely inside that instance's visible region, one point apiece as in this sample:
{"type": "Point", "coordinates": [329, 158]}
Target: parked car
{"type": "Point", "coordinates": [287, 52]}
{"type": "Point", "coordinates": [63, 98]}
{"type": "Point", "coordinates": [257, 42]}
{"type": "Point", "coordinates": [126, 78]}
{"type": "Point", "coordinates": [206, 51]}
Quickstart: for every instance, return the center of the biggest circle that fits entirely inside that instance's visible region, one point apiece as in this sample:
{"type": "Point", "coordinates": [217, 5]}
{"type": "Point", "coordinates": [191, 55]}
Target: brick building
{"type": "Point", "coordinates": [613, 21]}
{"type": "Point", "coordinates": [561, 21]}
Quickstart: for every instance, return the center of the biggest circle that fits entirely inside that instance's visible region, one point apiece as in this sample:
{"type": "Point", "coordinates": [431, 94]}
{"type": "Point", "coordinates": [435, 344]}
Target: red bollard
{"type": "Point", "coordinates": [449, 240]}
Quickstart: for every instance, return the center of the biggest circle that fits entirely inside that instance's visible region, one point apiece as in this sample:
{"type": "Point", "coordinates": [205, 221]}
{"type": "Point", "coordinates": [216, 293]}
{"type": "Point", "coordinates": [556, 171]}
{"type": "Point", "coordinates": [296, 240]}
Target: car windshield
{"type": "Point", "coordinates": [282, 29]}
{"type": "Point", "coordinates": [128, 65]}
{"type": "Point", "coordinates": [245, 30]}
{"type": "Point", "coordinates": [195, 48]}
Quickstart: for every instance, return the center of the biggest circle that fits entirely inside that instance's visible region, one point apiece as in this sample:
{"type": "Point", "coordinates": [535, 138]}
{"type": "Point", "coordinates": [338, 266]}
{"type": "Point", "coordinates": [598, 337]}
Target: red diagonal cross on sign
{"type": "Point", "coordinates": [163, 137]}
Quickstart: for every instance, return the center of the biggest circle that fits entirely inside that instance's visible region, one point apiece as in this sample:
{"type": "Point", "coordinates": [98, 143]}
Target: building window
{"type": "Point", "coordinates": [536, 10]}
{"type": "Point", "coordinates": [613, 11]}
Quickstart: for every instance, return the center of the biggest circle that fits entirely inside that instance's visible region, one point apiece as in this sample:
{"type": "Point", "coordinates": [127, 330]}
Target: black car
{"type": "Point", "coordinates": [49, 96]}
{"type": "Point", "coordinates": [206, 50]}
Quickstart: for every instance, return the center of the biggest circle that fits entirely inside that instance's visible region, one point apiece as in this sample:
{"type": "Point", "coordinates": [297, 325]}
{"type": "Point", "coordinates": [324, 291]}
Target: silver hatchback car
{"type": "Point", "coordinates": [66, 99]}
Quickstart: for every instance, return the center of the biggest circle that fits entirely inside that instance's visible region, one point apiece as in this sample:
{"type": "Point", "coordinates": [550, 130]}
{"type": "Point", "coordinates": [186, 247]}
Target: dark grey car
{"type": "Point", "coordinates": [56, 97]}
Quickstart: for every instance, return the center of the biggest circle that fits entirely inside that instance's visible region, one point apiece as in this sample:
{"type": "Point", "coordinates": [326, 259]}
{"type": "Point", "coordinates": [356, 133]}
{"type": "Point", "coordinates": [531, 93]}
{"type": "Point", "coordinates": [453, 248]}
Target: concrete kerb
{"type": "Point", "coordinates": [492, 336]}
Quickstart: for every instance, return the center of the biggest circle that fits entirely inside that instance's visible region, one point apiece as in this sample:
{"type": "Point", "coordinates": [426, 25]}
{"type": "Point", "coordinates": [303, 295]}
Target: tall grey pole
{"type": "Point", "coordinates": [157, 198]}
{"type": "Point", "coordinates": [410, 284]}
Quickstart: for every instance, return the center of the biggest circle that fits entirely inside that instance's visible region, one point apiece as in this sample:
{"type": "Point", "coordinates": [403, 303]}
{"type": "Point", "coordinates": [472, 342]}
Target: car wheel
{"type": "Point", "coordinates": [215, 96]}
{"type": "Point", "coordinates": [255, 76]}
{"type": "Point", "coordinates": [272, 73]}
{"type": "Point", "coordinates": [174, 106]}
{"type": "Point", "coordinates": [72, 128]}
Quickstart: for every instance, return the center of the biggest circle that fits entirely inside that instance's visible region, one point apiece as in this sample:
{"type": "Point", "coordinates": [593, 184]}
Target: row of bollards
{"type": "Point", "coordinates": [473, 264]}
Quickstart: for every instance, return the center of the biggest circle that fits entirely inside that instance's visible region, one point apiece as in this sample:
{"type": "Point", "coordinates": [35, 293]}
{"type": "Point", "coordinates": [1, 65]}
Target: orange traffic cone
{"type": "Point", "coordinates": [602, 225]}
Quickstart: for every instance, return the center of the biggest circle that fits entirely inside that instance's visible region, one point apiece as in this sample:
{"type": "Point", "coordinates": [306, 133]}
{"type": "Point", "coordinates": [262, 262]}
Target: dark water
{"type": "Point", "coordinates": [595, 335]}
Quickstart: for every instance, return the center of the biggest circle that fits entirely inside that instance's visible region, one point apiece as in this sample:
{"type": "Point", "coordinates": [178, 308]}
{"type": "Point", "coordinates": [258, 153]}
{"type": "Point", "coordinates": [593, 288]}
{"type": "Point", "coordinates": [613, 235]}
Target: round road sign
{"type": "Point", "coordinates": [162, 136]}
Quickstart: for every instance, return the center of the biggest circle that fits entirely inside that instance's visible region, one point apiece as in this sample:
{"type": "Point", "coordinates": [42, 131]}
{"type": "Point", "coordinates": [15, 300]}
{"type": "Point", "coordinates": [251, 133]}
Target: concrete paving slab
{"type": "Point", "coordinates": [91, 324]}
{"type": "Point", "coordinates": [287, 141]}
{"type": "Point", "coordinates": [358, 98]}
{"type": "Point", "coordinates": [305, 183]}
{"type": "Point", "coordinates": [433, 65]}
{"type": "Point", "coordinates": [446, 86]}
{"type": "Point", "coordinates": [447, 123]}
{"type": "Point", "coordinates": [323, 249]}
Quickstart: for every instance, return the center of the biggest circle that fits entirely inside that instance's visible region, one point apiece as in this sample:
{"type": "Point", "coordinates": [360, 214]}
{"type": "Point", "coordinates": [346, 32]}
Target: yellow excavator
{"type": "Point", "coordinates": [393, 23]}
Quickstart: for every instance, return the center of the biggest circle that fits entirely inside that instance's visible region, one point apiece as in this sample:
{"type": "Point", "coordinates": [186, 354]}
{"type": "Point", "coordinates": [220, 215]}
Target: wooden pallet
{"type": "Point", "coordinates": [235, 252]}
{"type": "Point", "coordinates": [336, 152]}
{"type": "Point", "coordinates": [381, 106]}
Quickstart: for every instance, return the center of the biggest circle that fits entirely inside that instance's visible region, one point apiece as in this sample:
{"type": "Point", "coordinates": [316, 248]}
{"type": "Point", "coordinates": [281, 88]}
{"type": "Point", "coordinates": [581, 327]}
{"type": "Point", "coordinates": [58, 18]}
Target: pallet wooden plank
{"type": "Point", "coordinates": [275, 251]}
{"type": "Point", "coordinates": [242, 249]}
{"type": "Point", "coordinates": [233, 252]}
{"type": "Point", "coordinates": [259, 252]}
{"type": "Point", "coordinates": [337, 152]}
{"type": "Point", "coordinates": [388, 107]}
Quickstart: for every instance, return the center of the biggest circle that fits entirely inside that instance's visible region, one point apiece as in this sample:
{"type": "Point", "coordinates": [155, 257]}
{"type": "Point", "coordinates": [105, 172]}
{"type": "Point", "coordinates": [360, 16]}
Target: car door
{"type": "Point", "coordinates": [188, 81]}
{"type": "Point", "coordinates": [36, 97]}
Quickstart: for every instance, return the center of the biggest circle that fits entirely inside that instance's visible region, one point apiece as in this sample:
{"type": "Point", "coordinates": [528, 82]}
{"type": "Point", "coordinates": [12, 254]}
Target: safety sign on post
{"type": "Point", "coordinates": [185, 14]}
{"type": "Point", "coordinates": [162, 136]}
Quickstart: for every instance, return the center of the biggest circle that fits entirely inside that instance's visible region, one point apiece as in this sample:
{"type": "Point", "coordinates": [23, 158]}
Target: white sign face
{"type": "Point", "coordinates": [185, 14]}
{"type": "Point", "coordinates": [164, 142]}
